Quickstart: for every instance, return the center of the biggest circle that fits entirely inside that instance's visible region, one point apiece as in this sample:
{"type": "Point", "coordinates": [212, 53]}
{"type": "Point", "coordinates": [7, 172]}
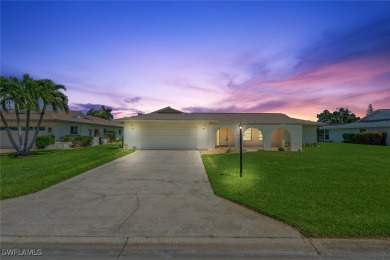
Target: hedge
{"type": "Point", "coordinates": [111, 135]}
{"type": "Point", "coordinates": [349, 138]}
{"type": "Point", "coordinates": [77, 140]}
{"type": "Point", "coordinates": [375, 138]}
{"type": "Point", "coordinates": [44, 140]}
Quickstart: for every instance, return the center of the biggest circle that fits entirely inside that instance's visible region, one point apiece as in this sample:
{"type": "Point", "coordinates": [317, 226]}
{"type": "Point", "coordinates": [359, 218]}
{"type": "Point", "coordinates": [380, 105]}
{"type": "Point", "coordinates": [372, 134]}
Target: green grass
{"type": "Point", "coordinates": [42, 169]}
{"type": "Point", "coordinates": [334, 190]}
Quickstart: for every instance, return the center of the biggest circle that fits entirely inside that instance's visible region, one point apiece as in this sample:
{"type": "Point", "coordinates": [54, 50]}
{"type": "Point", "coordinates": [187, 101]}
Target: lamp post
{"type": "Point", "coordinates": [240, 149]}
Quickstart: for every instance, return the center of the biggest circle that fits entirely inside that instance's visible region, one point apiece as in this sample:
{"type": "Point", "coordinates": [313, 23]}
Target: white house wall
{"type": "Point", "coordinates": [336, 135]}
{"type": "Point", "coordinates": [5, 143]}
{"type": "Point", "coordinates": [206, 138]}
{"type": "Point", "coordinates": [203, 135]}
{"type": "Point", "coordinates": [132, 134]}
{"type": "Point", "coordinates": [309, 134]}
{"type": "Point", "coordinates": [59, 129]}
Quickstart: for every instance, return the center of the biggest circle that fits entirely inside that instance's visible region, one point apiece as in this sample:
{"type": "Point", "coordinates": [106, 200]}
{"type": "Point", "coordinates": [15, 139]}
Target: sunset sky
{"type": "Point", "coordinates": [297, 58]}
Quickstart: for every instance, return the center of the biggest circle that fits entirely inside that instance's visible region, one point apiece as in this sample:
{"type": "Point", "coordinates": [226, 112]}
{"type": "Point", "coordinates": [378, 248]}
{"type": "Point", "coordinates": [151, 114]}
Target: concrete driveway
{"type": "Point", "coordinates": [145, 194]}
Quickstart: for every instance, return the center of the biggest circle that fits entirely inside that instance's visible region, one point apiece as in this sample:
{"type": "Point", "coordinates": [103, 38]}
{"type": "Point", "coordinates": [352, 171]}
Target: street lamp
{"type": "Point", "coordinates": [240, 149]}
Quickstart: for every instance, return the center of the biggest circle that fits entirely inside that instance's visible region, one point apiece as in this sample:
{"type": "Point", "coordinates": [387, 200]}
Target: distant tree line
{"type": "Point", "coordinates": [341, 115]}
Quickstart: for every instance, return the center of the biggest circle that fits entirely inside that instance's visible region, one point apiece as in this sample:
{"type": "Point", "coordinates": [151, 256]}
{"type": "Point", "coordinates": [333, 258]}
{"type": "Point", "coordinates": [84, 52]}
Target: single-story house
{"type": "Point", "coordinates": [169, 128]}
{"type": "Point", "coordinates": [378, 121]}
{"type": "Point", "coordinates": [60, 124]}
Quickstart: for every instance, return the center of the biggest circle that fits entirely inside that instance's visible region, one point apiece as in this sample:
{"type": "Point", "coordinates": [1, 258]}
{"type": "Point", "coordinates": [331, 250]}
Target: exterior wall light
{"type": "Point", "coordinates": [132, 126]}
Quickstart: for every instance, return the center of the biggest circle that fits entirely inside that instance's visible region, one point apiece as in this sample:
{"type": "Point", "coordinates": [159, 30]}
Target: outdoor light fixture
{"type": "Point", "coordinates": [203, 126]}
{"type": "Point", "coordinates": [132, 126]}
{"type": "Point", "coordinates": [240, 126]}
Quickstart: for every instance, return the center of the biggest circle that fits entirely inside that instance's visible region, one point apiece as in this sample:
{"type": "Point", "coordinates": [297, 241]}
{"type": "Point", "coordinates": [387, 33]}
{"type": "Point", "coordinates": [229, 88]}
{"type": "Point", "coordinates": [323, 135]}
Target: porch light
{"type": "Point", "coordinates": [203, 126]}
{"type": "Point", "coordinates": [240, 126]}
{"type": "Point", "coordinates": [132, 127]}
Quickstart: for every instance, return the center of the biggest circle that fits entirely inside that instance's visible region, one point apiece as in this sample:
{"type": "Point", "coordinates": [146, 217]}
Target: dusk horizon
{"type": "Point", "coordinates": [296, 58]}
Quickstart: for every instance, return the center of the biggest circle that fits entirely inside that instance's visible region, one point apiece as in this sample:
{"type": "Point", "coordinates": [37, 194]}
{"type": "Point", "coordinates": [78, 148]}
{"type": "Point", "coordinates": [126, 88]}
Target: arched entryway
{"type": "Point", "coordinates": [252, 137]}
{"type": "Point", "coordinates": [281, 137]}
{"type": "Point", "coordinates": [225, 137]}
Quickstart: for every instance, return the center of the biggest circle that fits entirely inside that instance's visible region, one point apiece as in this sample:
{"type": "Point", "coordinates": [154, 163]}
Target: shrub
{"type": "Point", "coordinates": [111, 136]}
{"type": "Point", "coordinates": [77, 140]}
{"type": "Point", "coordinates": [375, 138]}
{"type": "Point", "coordinates": [44, 140]}
{"type": "Point", "coordinates": [349, 138]}
{"type": "Point", "coordinates": [281, 149]}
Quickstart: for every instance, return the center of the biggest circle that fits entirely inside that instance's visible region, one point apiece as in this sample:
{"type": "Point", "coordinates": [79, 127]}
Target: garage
{"type": "Point", "coordinates": [172, 135]}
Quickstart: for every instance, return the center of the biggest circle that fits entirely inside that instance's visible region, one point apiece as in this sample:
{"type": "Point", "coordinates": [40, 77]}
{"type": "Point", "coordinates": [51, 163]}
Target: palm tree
{"type": "Point", "coordinates": [29, 95]}
{"type": "Point", "coordinates": [18, 95]}
{"type": "Point", "coordinates": [50, 96]}
{"type": "Point", "coordinates": [103, 112]}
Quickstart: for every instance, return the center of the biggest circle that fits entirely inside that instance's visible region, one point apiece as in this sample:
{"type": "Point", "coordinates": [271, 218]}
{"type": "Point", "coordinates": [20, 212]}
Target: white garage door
{"type": "Point", "coordinates": [169, 136]}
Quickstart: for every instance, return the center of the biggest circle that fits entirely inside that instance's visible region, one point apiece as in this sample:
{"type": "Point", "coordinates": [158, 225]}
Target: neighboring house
{"type": "Point", "coordinates": [60, 124]}
{"type": "Point", "coordinates": [378, 121]}
{"type": "Point", "coordinates": [168, 128]}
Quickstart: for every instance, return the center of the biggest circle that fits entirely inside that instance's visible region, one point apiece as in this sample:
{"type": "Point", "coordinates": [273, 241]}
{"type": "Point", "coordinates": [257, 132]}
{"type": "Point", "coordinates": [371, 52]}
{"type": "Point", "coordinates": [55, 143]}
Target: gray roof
{"type": "Point", "coordinates": [244, 118]}
{"type": "Point", "coordinates": [72, 117]}
{"type": "Point", "coordinates": [359, 124]}
{"type": "Point", "coordinates": [379, 118]}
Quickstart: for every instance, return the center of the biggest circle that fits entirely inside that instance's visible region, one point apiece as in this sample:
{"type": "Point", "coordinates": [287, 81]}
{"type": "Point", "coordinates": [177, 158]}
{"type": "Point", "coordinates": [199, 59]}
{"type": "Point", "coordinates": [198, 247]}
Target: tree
{"type": "Point", "coordinates": [370, 109]}
{"type": "Point", "coordinates": [103, 112]}
{"type": "Point", "coordinates": [24, 96]}
{"type": "Point", "coordinates": [341, 115]}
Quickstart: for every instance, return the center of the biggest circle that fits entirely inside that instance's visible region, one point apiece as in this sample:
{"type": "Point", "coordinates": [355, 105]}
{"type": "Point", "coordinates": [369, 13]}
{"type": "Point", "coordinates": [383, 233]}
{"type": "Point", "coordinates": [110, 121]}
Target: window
{"type": "Point", "coordinates": [73, 130]}
{"type": "Point", "coordinates": [89, 132]}
{"type": "Point", "coordinates": [248, 135]}
{"type": "Point", "coordinates": [49, 129]}
{"type": "Point", "coordinates": [260, 136]}
{"type": "Point", "coordinates": [11, 128]}
{"type": "Point", "coordinates": [326, 135]}
{"type": "Point", "coordinates": [120, 132]}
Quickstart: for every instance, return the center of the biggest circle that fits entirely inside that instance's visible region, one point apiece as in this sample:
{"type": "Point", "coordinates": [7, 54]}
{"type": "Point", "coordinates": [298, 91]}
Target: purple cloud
{"type": "Point", "coordinates": [85, 107]}
{"type": "Point", "coordinates": [132, 100]}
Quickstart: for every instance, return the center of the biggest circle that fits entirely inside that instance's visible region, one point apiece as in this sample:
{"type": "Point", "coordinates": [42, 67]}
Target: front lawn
{"type": "Point", "coordinates": [41, 169]}
{"type": "Point", "coordinates": [334, 190]}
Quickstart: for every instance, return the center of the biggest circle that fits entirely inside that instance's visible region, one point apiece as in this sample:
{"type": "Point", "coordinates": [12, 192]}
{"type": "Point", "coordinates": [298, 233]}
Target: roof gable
{"type": "Point", "coordinates": [167, 110]}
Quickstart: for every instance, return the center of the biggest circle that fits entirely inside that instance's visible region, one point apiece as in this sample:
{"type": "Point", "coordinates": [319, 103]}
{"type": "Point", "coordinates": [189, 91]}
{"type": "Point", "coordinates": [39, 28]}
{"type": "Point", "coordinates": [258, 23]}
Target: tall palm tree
{"type": "Point", "coordinates": [29, 95]}
{"type": "Point", "coordinates": [50, 96]}
{"type": "Point", "coordinates": [18, 95]}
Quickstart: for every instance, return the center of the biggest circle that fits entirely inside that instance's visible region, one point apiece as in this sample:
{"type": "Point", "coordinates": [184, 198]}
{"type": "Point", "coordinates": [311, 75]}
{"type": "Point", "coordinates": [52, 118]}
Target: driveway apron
{"type": "Point", "coordinates": [144, 194]}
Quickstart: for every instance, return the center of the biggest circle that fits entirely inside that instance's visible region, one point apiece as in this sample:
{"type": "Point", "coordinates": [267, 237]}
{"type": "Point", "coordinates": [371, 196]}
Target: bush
{"type": "Point", "coordinates": [44, 140]}
{"type": "Point", "coordinates": [375, 138]}
{"type": "Point", "coordinates": [349, 138]}
{"type": "Point", "coordinates": [111, 136]}
{"type": "Point", "coordinates": [77, 140]}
